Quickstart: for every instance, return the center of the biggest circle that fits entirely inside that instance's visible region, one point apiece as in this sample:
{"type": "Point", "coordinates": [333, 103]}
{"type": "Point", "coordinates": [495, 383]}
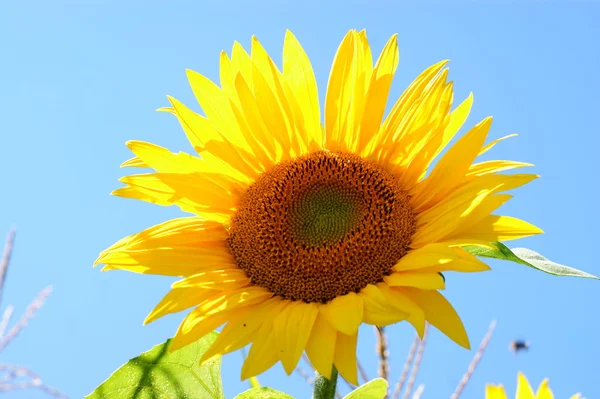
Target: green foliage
{"type": "Point", "coordinates": [374, 389]}
{"type": "Point", "coordinates": [526, 257]}
{"type": "Point", "coordinates": [263, 393]}
{"type": "Point", "coordinates": [157, 374]}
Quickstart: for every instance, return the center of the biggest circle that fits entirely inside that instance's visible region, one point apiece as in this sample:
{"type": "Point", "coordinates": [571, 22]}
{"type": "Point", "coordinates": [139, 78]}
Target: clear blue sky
{"type": "Point", "coordinates": [79, 78]}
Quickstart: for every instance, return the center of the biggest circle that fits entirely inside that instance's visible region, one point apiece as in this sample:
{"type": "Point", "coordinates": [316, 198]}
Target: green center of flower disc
{"type": "Point", "coordinates": [321, 226]}
{"type": "Point", "coordinates": [325, 214]}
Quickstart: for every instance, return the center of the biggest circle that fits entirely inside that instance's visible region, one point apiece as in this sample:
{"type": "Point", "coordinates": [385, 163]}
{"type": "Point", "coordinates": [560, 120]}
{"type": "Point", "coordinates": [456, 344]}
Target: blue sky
{"type": "Point", "coordinates": [79, 78]}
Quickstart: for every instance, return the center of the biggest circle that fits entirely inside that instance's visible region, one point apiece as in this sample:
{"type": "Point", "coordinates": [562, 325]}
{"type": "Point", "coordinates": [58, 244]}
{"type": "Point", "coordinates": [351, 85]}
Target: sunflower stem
{"type": "Point", "coordinates": [325, 388]}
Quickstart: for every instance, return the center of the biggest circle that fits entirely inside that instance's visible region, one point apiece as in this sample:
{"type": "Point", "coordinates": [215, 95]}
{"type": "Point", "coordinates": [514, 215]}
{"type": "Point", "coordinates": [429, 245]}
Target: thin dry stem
{"type": "Point", "coordinates": [467, 376]}
{"type": "Point", "coordinates": [406, 368]}
{"type": "Point", "coordinates": [383, 353]}
{"type": "Point", "coordinates": [362, 371]}
{"type": "Point", "coordinates": [309, 380]}
{"type": "Point", "coordinates": [29, 313]}
{"type": "Point", "coordinates": [419, 392]}
{"type": "Point", "coordinates": [8, 312]}
{"type": "Point", "coordinates": [7, 382]}
{"type": "Point", "coordinates": [8, 246]}
{"type": "Point", "coordinates": [415, 370]}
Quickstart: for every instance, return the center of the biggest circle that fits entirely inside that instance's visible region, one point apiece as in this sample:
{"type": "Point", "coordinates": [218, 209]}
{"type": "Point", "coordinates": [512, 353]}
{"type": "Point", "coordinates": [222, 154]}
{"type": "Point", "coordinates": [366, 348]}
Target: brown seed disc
{"type": "Point", "coordinates": [321, 226]}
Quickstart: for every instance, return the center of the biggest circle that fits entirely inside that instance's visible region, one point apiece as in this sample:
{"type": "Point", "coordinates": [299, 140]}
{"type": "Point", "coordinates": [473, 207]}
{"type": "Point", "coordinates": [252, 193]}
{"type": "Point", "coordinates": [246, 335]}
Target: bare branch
{"type": "Point", "coordinates": [382, 352]}
{"type": "Point", "coordinates": [309, 380]}
{"type": "Point", "coordinates": [14, 372]}
{"type": "Point", "coordinates": [362, 371]}
{"type": "Point", "coordinates": [8, 312]}
{"type": "Point", "coordinates": [419, 392]}
{"type": "Point", "coordinates": [415, 370]}
{"type": "Point", "coordinates": [406, 368]}
{"type": "Point", "coordinates": [8, 246]}
{"type": "Point", "coordinates": [29, 313]}
{"type": "Point", "coordinates": [467, 376]}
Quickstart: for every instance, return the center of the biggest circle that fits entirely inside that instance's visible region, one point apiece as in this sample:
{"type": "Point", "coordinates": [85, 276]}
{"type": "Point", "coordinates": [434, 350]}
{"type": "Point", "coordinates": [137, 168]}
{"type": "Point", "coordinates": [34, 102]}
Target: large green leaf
{"type": "Point", "coordinates": [263, 393]}
{"type": "Point", "coordinates": [374, 389]}
{"type": "Point", "coordinates": [157, 374]}
{"type": "Point", "coordinates": [526, 257]}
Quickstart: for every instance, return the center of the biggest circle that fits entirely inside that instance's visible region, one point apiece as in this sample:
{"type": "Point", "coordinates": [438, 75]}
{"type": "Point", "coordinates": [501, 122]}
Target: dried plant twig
{"type": "Point", "coordinates": [309, 380]}
{"type": "Point", "coordinates": [362, 371]}
{"type": "Point", "coordinates": [8, 312]}
{"type": "Point", "coordinates": [467, 376]}
{"type": "Point", "coordinates": [382, 352]}
{"type": "Point", "coordinates": [407, 363]}
{"type": "Point", "coordinates": [415, 369]}
{"type": "Point", "coordinates": [29, 313]}
{"type": "Point", "coordinates": [8, 246]}
{"type": "Point", "coordinates": [419, 392]}
{"type": "Point", "coordinates": [12, 376]}
{"type": "Point", "coordinates": [11, 381]}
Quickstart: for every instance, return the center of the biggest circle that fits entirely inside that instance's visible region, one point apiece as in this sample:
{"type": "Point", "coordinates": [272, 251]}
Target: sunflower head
{"type": "Point", "coordinates": [304, 227]}
{"type": "Point", "coordinates": [524, 390]}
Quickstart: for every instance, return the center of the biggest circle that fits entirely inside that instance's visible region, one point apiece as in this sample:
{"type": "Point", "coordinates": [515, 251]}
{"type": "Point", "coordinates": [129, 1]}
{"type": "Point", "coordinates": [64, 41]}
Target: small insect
{"type": "Point", "coordinates": [519, 345]}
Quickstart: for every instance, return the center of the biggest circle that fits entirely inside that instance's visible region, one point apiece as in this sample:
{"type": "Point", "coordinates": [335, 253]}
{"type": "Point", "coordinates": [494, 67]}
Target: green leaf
{"type": "Point", "coordinates": [157, 374]}
{"type": "Point", "coordinates": [374, 389]}
{"type": "Point", "coordinates": [263, 393]}
{"type": "Point", "coordinates": [526, 257]}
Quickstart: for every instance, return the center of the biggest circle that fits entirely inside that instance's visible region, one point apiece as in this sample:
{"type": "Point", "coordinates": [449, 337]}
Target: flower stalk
{"type": "Point", "coordinates": [325, 388]}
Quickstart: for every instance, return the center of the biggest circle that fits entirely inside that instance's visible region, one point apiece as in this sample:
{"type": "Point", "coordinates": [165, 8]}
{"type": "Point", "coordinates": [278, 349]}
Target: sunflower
{"type": "Point", "coordinates": [302, 230]}
{"type": "Point", "coordinates": [524, 390]}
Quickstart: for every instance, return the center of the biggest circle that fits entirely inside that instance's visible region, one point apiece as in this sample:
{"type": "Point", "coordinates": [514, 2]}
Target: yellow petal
{"type": "Point", "coordinates": [425, 133]}
{"type": "Point", "coordinates": [345, 356]}
{"type": "Point", "coordinates": [524, 390]}
{"type": "Point", "coordinates": [543, 391]}
{"type": "Point", "coordinates": [445, 224]}
{"type": "Point", "coordinates": [495, 392]}
{"type": "Point", "coordinates": [493, 143]}
{"type": "Point", "coordinates": [451, 168]}
{"type": "Point", "coordinates": [163, 160]}
{"type": "Point", "coordinates": [440, 313]}
{"type": "Point", "coordinates": [377, 93]}
{"type": "Point", "coordinates": [179, 247]}
{"type": "Point", "coordinates": [292, 329]}
{"type": "Point", "coordinates": [134, 162]}
{"type": "Point", "coordinates": [482, 168]}
{"type": "Point", "coordinates": [345, 313]}
{"type": "Point", "coordinates": [422, 280]}
{"type": "Point", "coordinates": [241, 60]}
{"type": "Point", "coordinates": [216, 311]}
{"type": "Point", "coordinates": [191, 133]}
{"type": "Point", "coordinates": [377, 310]}
{"type": "Point", "coordinates": [216, 105]}
{"type": "Point", "coordinates": [299, 75]}
{"type": "Point", "coordinates": [320, 346]}
{"type": "Point", "coordinates": [392, 129]}
{"type": "Point", "coordinates": [440, 257]}
{"type": "Point", "coordinates": [345, 92]}
{"type": "Point", "coordinates": [208, 138]}
{"type": "Point", "coordinates": [404, 303]}
{"type": "Point", "coordinates": [500, 228]}
{"type": "Point", "coordinates": [253, 126]}
{"type": "Point", "coordinates": [178, 300]}
{"type": "Point", "coordinates": [262, 354]}
{"type": "Point", "coordinates": [457, 119]}
{"type": "Point", "coordinates": [242, 330]}
{"type": "Point", "coordinates": [430, 255]}
{"type": "Point", "coordinates": [192, 192]}
{"type": "Point", "coordinates": [197, 288]}
{"type": "Point", "coordinates": [222, 280]}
